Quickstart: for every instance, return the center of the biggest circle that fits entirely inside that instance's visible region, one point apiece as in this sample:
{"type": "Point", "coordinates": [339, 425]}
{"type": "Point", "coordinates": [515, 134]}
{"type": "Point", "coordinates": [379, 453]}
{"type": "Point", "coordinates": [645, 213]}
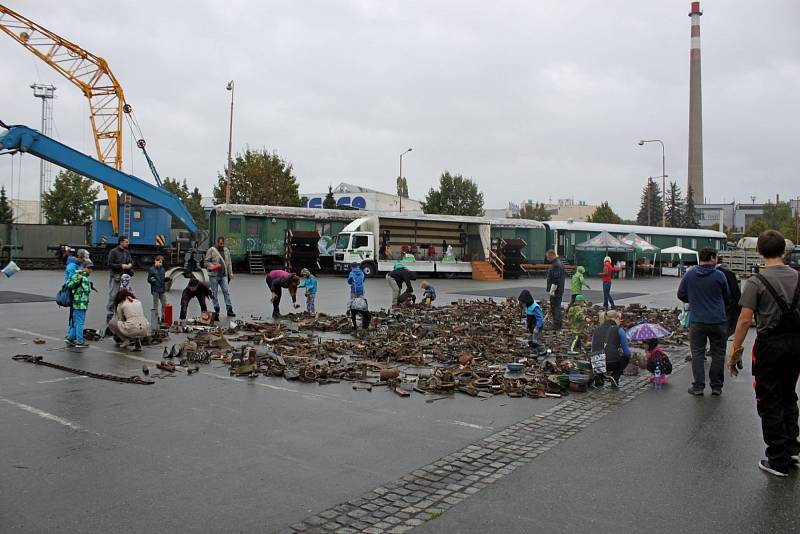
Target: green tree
{"type": "Point", "coordinates": [6, 211]}
{"type": "Point", "coordinates": [727, 231]}
{"type": "Point", "coordinates": [604, 214]}
{"type": "Point", "coordinates": [70, 200]}
{"type": "Point", "coordinates": [402, 187]}
{"type": "Point", "coordinates": [456, 196]}
{"type": "Point", "coordinates": [329, 203]}
{"type": "Point", "coordinates": [536, 212]}
{"type": "Point", "coordinates": [193, 201]}
{"type": "Point", "coordinates": [690, 218]}
{"type": "Point", "coordinates": [675, 206]}
{"type": "Point", "coordinates": [260, 177]}
{"type": "Point", "coordinates": [651, 206]}
{"type": "Point", "coordinates": [776, 216]}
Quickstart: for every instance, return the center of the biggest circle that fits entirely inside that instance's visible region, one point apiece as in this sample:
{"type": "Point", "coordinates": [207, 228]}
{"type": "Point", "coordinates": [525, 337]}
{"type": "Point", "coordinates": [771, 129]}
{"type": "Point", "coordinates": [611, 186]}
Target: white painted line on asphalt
{"type": "Point", "coordinates": [60, 379]}
{"type": "Point", "coordinates": [43, 414]}
{"type": "Point", "coordinates": [470, 425]}
{"type": "Point", "coordinates": [35, 334]}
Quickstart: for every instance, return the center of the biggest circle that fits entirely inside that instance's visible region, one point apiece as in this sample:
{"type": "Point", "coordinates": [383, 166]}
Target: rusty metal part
{"type": "Point", "coordinates": [38, 360]}
{"type": "Point", "coordinates": [388, 374]}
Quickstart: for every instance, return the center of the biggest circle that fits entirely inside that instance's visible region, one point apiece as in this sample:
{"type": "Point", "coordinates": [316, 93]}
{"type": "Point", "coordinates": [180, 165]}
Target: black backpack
{"type": "Point", "coordinates": [789, 322]}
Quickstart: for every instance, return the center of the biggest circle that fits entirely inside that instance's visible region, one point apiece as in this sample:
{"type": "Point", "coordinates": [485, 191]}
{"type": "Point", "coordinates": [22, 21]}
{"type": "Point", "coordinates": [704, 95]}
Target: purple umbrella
{"type": "Point", "coordinates": [644, 331]}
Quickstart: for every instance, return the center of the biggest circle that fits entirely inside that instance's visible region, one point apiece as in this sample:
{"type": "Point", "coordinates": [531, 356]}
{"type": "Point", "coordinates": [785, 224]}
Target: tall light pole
{"type": "Point", "coordinates": [230, 147]}
{"type": "Point", "coordinates": [45, 92]}
{"type": "Point", "coordinates": [402, 183]}
{"type": "Point", "coordinates": [663, 178]}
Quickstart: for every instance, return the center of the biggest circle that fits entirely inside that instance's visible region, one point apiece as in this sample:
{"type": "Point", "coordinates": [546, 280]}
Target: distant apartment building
{"type": "Point", "coordinates": [736, 216]}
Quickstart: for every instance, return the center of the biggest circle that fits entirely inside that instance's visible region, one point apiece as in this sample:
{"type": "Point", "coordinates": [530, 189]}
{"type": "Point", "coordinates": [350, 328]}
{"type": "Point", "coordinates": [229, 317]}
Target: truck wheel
{"type": "Point", "coordinates": [369, 269]}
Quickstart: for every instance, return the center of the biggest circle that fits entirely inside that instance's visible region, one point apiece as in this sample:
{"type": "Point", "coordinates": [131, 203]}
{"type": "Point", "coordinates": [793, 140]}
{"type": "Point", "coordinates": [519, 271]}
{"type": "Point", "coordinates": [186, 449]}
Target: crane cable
{"type": "Point", "coordinates": [136, 133]}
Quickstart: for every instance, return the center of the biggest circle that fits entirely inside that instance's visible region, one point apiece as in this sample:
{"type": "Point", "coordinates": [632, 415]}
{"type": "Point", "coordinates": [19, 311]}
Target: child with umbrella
{"type": "Point", "coordinates": [658, 362]}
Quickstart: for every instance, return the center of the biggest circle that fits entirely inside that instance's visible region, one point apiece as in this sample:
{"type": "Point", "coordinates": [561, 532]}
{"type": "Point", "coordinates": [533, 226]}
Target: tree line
{"type": "Point", "coordinates": [262, 177]}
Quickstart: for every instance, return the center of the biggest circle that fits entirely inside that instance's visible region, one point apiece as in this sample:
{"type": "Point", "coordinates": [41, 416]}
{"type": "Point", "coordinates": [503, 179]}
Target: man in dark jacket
{"type": "Point", "coordinates": [733, 309]}
{"type": "Point", "coordinates": [195, 289]}
{"type": "Point", "coordinates": [555, 286]}
{"type": "Point", "coordinates": [119, 262]}
{"type": "Point", "coordinates": [396, 278]}
{"type": "Point", "coordinates": [706, 290]}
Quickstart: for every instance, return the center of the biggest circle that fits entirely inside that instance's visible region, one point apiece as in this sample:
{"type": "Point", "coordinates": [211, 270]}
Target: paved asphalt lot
{"type": "Point", "coordinates": [210, 453]}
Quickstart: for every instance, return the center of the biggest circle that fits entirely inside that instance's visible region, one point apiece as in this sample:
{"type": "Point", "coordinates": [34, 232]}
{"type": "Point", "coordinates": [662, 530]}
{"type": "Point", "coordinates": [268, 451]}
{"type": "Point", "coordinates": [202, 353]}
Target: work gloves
{"type": "Point", "coordinates": [735, 360]}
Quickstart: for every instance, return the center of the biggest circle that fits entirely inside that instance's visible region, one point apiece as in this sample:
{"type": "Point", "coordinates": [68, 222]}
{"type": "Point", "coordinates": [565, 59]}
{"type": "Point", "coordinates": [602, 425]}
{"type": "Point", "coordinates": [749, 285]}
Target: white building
{"type": "Point", "coordinates": [362, 198]}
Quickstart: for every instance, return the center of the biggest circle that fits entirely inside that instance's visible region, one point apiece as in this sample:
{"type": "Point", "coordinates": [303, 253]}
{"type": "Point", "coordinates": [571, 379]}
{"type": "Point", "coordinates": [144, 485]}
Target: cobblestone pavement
{"type": "Point", "coordinates": [431, 490]}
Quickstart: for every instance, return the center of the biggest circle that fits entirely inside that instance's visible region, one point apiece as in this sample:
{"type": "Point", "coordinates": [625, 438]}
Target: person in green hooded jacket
{"type": "Point", "coordinates": [578, 283]}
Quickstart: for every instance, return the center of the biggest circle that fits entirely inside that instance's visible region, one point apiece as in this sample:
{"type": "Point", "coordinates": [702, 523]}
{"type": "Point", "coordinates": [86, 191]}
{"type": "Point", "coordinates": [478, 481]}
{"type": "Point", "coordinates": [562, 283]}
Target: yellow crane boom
{"type": "Point", "coordinates": [92, 76]}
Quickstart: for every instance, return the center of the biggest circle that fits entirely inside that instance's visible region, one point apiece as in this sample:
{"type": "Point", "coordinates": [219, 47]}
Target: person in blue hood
{"type": "Point", "coordinates": [706, 290]}
{"type": "Point", "coordinates": [534, 320]}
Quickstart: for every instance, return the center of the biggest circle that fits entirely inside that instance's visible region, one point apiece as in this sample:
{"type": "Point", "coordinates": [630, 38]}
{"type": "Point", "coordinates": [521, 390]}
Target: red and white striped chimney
{"type": "Point", "coordinates": [695, 111]}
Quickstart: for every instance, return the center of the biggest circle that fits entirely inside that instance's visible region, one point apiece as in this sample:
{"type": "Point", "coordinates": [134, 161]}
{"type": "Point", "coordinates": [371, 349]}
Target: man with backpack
{"type": "Point", "coordinates": [772, 296]}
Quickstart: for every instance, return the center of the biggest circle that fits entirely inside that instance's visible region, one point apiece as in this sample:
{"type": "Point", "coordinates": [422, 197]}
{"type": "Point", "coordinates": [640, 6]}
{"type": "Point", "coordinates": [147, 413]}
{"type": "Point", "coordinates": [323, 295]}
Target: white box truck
{"type": "Point", "coordinates": [435, 244]}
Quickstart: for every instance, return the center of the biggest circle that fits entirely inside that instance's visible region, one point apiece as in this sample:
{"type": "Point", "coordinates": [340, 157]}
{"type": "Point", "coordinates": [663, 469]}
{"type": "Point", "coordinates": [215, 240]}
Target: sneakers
{"type": "Point", "coordinates": [716, 392]}
{"type": "Point", "coordinates": [695, 392]}
{"type": "Point", "coordinates": [229, 313]}
{"type": "Point", "coordinates": [69, 341]}
{"type": "Point", "coordinates": [764, 466]}
{"type": "Point", "coordinates": [796, 459]}
{"type": "Point", "coordinates": [614, 383]}
{"type": "Point", "coordinates": [80, 345]}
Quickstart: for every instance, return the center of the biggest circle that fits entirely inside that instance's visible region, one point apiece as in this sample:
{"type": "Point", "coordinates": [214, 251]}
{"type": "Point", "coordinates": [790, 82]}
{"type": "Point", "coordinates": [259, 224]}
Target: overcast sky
{"type": "Point", "coordinates": [533, 100]}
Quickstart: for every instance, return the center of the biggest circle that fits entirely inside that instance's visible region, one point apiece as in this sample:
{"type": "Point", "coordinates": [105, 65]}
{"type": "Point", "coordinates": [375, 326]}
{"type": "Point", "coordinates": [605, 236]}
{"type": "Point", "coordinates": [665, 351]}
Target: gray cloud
{"type": "Point", "coordinates": [532, 99]}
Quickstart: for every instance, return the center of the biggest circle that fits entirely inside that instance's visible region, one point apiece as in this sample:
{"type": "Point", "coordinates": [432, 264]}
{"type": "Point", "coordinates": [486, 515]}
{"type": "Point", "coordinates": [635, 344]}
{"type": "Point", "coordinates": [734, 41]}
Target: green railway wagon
{"type": "Point", "coordinates": [532, 232]}
{"type": "Point", "coordinates": [262, 229]}
{"type": "Point", "coordinates": [563, 236]}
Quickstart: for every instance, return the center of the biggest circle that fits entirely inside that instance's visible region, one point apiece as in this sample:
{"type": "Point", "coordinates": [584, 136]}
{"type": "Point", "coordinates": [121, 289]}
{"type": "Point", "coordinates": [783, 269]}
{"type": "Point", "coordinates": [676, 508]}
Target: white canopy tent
{"type": "Point", "coordinates": [681, 252]}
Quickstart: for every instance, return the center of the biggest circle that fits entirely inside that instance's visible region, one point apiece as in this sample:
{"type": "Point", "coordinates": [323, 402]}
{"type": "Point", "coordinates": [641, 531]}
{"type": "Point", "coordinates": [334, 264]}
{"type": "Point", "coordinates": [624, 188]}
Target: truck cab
{"type": "Point", "coordinates": [355, 246]}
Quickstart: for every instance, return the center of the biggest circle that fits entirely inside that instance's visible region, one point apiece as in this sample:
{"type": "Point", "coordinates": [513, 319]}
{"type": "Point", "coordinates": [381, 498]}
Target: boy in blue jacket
{"type": "Point", "coordinates": [156, 278]}
{"type": "Point", "coordinates": [309, 282]}
{"type": "Point", "coordinates": [356, 280]}
{"type": "Point", "coordinates": [534, 320]}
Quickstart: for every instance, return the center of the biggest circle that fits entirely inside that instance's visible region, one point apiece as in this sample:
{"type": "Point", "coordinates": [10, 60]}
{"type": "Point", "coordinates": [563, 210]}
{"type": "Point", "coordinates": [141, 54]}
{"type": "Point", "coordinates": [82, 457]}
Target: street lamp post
{"type": "Point", "coordinates": [663, 178]}
{"type": "Point", "coordinates": [402, 183]}
{"type": "Point", "coordinates": [230, 147]}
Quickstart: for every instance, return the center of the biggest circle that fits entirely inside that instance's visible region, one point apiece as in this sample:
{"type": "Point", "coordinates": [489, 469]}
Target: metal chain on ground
{"type": "Point", "coordinates": [39, 360]}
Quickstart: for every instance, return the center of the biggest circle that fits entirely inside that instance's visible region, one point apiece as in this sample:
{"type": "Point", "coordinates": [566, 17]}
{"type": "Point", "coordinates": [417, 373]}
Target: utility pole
{"type": "Point", "coordinates": [230, 147]}
{"type": "Point", "coordinates": [402, 184]}
{"type": "Point", "coordinates": [45, 92]}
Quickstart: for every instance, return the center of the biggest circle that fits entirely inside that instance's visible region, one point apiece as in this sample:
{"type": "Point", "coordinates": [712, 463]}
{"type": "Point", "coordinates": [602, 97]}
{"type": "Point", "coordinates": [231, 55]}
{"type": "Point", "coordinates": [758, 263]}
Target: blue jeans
{"type": "Point", "coordinates": [607, 296]}
{"type": "Point", "coordinates": [310, 303]}
{"type": "Point", "coordinates": [75, 331]}
{"type": "Point", "coordinates": [217, 282]}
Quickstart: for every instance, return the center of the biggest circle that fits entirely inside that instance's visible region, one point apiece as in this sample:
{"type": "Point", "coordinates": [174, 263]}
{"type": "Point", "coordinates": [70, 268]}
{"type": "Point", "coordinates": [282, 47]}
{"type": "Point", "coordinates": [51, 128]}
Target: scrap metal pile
{"type": "Point", "coordinates": [474, 347]}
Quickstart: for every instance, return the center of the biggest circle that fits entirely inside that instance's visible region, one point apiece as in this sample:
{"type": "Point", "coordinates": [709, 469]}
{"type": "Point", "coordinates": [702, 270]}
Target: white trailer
{"type": "Point", "coordinates": [435, 244]}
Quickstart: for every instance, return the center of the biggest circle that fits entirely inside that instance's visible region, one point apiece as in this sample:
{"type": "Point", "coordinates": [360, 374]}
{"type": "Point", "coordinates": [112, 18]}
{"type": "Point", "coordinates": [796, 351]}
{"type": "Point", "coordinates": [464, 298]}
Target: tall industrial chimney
{"type": "Point", "coordinates": [695, 111]}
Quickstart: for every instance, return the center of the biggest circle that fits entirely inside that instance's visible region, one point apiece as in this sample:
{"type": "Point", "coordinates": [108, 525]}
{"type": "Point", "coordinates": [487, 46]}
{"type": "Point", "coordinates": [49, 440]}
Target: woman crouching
{"type": "Point", "coordinates": [129, 324]}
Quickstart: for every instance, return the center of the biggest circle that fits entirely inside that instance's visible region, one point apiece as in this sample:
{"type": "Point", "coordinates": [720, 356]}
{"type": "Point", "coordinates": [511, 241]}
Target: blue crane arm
{"type": "Point", "coordinates": [27, 140]}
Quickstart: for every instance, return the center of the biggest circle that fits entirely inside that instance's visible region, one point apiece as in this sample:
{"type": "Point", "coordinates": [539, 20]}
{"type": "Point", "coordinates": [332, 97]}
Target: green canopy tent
{"type": "Point", "coordinates": [590, 253]}
{"type": "Point", "coordinates": [641, 247]}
